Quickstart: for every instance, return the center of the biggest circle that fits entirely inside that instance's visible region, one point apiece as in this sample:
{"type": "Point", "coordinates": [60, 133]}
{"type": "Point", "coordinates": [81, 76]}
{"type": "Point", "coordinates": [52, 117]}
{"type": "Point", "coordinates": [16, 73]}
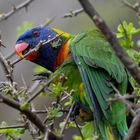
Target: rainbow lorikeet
{"type": "Point", "coordinates": [91, 66]}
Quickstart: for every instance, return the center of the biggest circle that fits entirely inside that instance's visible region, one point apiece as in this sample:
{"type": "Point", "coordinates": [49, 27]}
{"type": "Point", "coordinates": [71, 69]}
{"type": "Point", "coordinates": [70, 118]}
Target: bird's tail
{"type": "Point", "coordinates": [108, 133]}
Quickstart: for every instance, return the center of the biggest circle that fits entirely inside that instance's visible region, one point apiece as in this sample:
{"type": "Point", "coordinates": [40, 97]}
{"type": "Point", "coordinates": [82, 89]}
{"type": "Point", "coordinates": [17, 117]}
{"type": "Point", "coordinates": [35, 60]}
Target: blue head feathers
{"type": "Point", "coordinates": [47, 54]}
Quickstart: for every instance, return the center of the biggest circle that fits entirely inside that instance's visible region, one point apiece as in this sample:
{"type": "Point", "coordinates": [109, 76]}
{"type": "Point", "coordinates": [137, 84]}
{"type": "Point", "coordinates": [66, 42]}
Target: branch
{"type": "Point", "coordinates": [14, 126]}
{"type": "Point", "coordinates": [79, 129]}
{"type": "Point", "coordinates": [30, 115]}
{"type": "Point", "coordinates": [73, 13]}
{"type": "Point", "coordinates": [15, 9]}
{"type": "Point", "coordinates": [134, 130]}
{"type": "Point", "coordinates": [122, 55]}
{"type": "Point", "coordinates": [11, 54]}
{"type": "Point", "coordinates": [8, 70]}
{"type": "Point", "coordinates": [135, 7]}
{"type": "Point", "coordinates": [67, 118]}
{"type": "Point", "coordinates": [40, 90]}
{"type": "Point", "coordinates": [118, 96]}
{"type": "Point", "coordinates": [128, 96]}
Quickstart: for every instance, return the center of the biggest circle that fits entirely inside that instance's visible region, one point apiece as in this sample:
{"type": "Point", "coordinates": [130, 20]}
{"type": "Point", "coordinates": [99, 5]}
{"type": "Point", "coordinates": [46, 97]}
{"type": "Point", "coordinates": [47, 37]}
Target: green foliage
{"type": "Point", "coordinates": [39, 69]}
{"type": "Point", "coordinates": [57, 89]}
{"type": "Point", "coordinates": [24, 106]}
{"type": "Point", "coordinates": [126, 32]}
{"type": "Point", "coordinates": [76, 137]}
{"type": "Point", "coordinates": [14, 132]}
{"type": "Point", "coordinates": [69, 102]}
{"type": "Point", "coordinates": [69, 124]}
{"type": "Point", "coordinates": [87, 131]}
{"type": "Point", "coordinates": [23, 28]}
{"type": "Point", "coordinates": [54, 112]}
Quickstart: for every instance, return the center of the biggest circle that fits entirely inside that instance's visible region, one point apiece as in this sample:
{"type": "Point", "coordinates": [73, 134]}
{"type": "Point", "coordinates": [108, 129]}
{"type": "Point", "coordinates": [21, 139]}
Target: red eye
{"type": "Point", "coordinates": [36, 33]}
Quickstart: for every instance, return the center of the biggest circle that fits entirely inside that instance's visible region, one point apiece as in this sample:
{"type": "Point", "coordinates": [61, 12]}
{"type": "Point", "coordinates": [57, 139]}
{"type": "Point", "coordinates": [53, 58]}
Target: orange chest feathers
{"type": "Point", "coordinates": [63, 52]}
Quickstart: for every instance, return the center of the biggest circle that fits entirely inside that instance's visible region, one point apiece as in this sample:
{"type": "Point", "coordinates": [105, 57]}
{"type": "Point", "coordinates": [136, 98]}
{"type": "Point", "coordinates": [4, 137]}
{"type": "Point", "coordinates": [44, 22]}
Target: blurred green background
{"type": "Point", "coordinates": [113, 11]}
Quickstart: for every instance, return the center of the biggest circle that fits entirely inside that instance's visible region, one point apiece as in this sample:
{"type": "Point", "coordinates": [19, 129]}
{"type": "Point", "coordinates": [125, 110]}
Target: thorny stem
{"type": "Point", "coordinates": [73, 13]}
{"type": "Point", "coordinates": [67, 119]}
{"type": "Point", "coordinates": [14, 126]}
{"type": "Point", "coordinates": [15, 9]}
{"type": "Point", "coordinates": [123, 100]}
{"type": "Point", "coordinates": [31, 116]}
{"type": "Point", "coordinates": [40, 90]}
{"type": "Point", "coordinates": [8, 70]}
{"type": "Point", "coordinates": [79, 130]}
{"type": "Point", "coordinates": [135, 7]}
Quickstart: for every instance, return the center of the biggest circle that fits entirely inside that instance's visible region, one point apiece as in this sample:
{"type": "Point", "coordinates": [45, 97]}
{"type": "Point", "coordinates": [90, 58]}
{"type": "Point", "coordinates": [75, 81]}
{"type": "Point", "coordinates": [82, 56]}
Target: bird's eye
{"type": "Point", "coordinates": [36, 33]}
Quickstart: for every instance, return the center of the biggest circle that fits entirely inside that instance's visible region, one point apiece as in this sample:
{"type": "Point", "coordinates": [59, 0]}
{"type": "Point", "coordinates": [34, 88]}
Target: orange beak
{"type": "Point", "coordinates": [19, 48]}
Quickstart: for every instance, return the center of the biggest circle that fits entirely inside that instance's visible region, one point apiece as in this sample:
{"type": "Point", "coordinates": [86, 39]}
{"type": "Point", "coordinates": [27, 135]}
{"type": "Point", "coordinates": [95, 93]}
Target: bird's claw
{"type": "Point", "coordinates": [42, 76]}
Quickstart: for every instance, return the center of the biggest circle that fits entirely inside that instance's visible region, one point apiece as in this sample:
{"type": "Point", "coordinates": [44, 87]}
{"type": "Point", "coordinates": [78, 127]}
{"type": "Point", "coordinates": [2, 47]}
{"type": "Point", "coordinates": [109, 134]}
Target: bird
{"type": "Point", "coordinates": [92, 68]}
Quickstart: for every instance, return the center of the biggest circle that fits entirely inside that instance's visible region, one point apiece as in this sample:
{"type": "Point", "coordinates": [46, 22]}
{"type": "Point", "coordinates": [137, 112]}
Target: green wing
{"type": "Point", "coordinates": [70, 70]}
{"type": "Point", "coordinates": [99, 66]}
{"type": "Point", "coordinates": [97, 52]}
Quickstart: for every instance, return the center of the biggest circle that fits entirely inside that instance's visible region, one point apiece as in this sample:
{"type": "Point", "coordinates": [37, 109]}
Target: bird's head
{"type": "Point", "coordinates": [47, 54]}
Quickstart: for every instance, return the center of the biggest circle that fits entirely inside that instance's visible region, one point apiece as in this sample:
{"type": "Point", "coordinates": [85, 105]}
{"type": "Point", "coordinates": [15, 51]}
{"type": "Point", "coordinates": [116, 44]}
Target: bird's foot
{"type": "Point", "coordinates": [42, 76]}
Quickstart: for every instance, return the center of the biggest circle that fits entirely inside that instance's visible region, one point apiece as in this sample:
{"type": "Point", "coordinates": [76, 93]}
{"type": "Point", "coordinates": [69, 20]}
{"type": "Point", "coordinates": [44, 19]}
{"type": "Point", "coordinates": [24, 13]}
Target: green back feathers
{"type": "Point", "coordinates": [97, 52]}
{"type": "Point", "coordinates": [98, 66]}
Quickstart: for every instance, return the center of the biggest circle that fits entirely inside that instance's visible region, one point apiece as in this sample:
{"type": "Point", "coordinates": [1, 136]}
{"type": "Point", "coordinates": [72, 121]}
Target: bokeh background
{"type": "Point", "coordinates": [113, 11]}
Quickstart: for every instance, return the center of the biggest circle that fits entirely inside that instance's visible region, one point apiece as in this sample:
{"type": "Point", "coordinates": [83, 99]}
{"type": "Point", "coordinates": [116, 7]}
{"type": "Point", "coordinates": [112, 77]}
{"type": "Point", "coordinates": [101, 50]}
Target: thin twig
{"type": "Point", "coordinates": [129, 96]}
{"type": "Point", "coordinates": [25, 4]}
{"type": "Point", "coordinates": [79, 130]}
{"type": "Point", "coordinates": [120, 97]}
{"type": "Point", "coordinates": [14, 126]}
{"type": "Point", "coordinates": [73, 13]}
{"type": "Point", "coordinates": [67, 119]}
{"type": "Point", "coordinates": [46, 136]}
{"type": "Point", "coordinates": [8, 70]}
{"type": "Point", "coordinates": [31, 116]}
{"type": "Point", "coordinates": [24, 82]}
{"type": "Point", "coordinates": [67, 95]}
{"type": "Point", "coordinates": [135, 7]}
{"type": "Point", "coordinates": [11, 54]}
{"type": "Point", "coordinates": [134, 130]}
{"type": "Point", "coordinates": [1, 44]}
{"type": "Point", "coordinates": [40, 111]}
{"type": "Point", "coordinates": [40, 90]}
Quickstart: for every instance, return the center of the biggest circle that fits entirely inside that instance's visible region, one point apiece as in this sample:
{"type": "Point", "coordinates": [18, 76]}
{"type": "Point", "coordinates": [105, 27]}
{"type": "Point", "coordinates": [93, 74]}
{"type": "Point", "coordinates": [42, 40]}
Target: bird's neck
{"type": "Point", "coordinates": [62, 54]}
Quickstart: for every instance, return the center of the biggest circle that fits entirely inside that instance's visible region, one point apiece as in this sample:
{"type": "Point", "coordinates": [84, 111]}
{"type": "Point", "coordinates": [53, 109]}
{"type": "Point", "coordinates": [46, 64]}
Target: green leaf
{"type": "Point", "coordinates": [75, 137]}
{"type": "Point", "coordinates": [59, 114]}
{"type": "Point", "coordinates": [69, 124]}
{"type": "Point", "coordinates": [24, 106]}
{"type": "Point", "coordinates": [39, 69]}
{"type": "Point", "coordinates": [16, 132]}
{"type": "Point", "coordinates": [42, 94]}
{"type": "Point", "coordinates": [69, 102]}
{"type": "Point", "coordinates": [56, 91]}
{"type": "Point", "coordinates": [125, 34]}
{"type": "Point", "coordinates": [87, 130]}
{"type": "Point", "coordinates": [54, 112]}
